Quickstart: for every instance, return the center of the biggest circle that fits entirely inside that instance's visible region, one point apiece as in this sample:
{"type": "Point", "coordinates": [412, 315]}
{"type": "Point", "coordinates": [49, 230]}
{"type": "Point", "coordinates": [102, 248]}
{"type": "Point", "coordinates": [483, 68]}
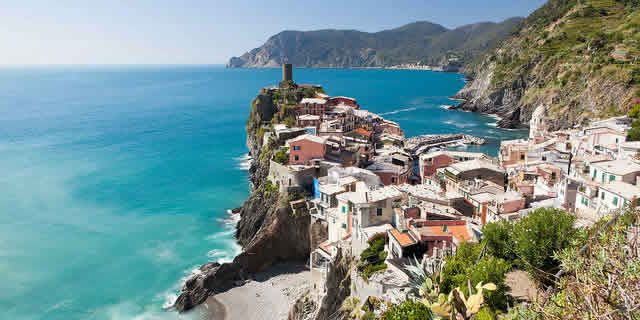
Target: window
{"type": "Point", "coordinates": [595, 174]}
{"type": "Point", "coordinates": [393, 179]}
{"type": "Point", "coordinates": [612, 177]}
{"type": "Point", "coordinates": [296, 148]}
{"type": "Point", "coordinates": [544, 158]}
{"type": "Point", "coordinates": [344, 209]}
{"type": "Point", "coordinates": [378, 212]}
{"type": "Point", "coordinates": [344, 226]}
{"type": "Point", "coordinates": [602, 195]}
{"type": "Point", "coordinates": [615, 201]}
{"type": "Point", "coordinates": [604, 175]}
{"type": "Point", "coordinates": [522, 157]}
{"type": "Point", "coordinates": [296, 157]}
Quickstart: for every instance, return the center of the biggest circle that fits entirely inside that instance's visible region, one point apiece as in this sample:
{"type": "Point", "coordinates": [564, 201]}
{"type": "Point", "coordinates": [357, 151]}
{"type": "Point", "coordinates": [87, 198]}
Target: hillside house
{"type": "Point", "coordinates": [305, 148]}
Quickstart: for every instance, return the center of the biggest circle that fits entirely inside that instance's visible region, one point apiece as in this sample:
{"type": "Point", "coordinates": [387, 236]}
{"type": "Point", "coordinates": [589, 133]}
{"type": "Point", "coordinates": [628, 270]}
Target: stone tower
{"type": "Point", "coordinates": [287, 72]}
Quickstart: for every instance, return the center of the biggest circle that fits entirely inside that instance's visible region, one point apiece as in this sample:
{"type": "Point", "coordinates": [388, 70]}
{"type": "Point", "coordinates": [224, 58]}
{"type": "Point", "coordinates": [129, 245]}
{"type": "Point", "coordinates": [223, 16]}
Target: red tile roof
{"type": "Point", "coordinates": [404, 238]}
{"type": "Point", "coordinates": [362, 132]}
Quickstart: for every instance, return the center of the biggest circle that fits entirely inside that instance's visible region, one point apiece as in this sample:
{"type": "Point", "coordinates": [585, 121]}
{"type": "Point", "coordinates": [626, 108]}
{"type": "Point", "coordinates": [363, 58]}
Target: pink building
{"type": "Point", "coordinates": [431, 164]}
{"type": "Point", "coordinates": [305, 148]}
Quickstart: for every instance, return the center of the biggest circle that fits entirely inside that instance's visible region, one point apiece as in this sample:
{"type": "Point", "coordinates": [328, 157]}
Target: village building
{"type": "Point", "coordinates": [456, 174]}
{"type": "Point", "coordinates": [313, 106]}
{"type": "Point", "coordinates": [308, 120]}
{"type": "Point", "coordinates": [624, 170]}
{"type": "Point", "coordinates": [364, 208]}
{"type": "Point", "coordinates": [343, 101]}
{"type": "Point", "coordinates": [391, 173]}
{"type": "Point", "coordinates": [305, 148]}
{"type": "Point", "coordinates": [390, 127]}
{"type": "Point", "coordinates": [617, 195]}
{"type": "Point", "coordinates": [429, 163]}
{"type": "Point", "coordinates": [429, 237]}
{"type": "Point", "coordinates": [513, 152]}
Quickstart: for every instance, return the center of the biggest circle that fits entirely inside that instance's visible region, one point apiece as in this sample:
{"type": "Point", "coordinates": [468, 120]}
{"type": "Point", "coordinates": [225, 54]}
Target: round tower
{"type": "Point", "coordinates": [287, 72]}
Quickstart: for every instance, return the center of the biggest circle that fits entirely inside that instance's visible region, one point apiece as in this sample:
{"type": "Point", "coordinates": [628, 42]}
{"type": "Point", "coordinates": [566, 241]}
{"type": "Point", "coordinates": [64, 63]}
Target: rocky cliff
{"type": "Point", "coordinates": [577, 59]}
{"type": "Point", "coordinates": [268, 231]}
{"type": "Point", "coordinates": [338, 284]}
{"type": "Point", "coordinates": [420, 42]}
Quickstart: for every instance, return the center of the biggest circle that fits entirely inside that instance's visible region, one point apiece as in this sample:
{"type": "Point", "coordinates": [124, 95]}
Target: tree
{"type": "Point", "coordinates": [539, 236]}
{"type": "Point", "coordinates": [408, 310]}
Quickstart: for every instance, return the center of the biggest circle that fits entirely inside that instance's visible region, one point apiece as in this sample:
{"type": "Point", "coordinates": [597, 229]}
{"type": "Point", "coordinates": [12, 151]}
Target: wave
{"type": "Point", "coordinates": [244, 162]}
{"type": "Point", "coordinates": [460, 125]}
{"type": "Point", "coordinates": [445, 106]}
{"type": "Point", "coordinates": [170, 296]}
{"type": "Point", "coordinates": [399, 111]}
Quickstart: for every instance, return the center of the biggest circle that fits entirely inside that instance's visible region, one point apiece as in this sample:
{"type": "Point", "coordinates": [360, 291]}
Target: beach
{"type": "Point", "coordinates": [267, 296]}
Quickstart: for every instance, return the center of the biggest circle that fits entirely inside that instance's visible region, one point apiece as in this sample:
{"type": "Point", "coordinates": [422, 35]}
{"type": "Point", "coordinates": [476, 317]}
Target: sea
{"type": "Point", "coordinates": [116, 181]}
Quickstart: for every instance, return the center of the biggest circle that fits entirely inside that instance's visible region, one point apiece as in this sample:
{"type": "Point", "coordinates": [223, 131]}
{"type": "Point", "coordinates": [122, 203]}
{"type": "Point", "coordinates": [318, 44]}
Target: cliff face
{"type": "Point", "coordinates": [268, 230]}
{"type": "Point", "coordinates": [338, 285]}
{"type": "Point", "coordinates": [419, 42]}
{"type": "Point", "coordinates": [578, 60]}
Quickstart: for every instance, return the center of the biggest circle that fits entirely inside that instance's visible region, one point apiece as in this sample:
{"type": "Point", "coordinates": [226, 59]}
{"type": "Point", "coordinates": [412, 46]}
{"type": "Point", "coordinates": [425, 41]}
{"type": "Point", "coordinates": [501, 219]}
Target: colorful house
{"type": "Point", "coordinates": [304, 148]}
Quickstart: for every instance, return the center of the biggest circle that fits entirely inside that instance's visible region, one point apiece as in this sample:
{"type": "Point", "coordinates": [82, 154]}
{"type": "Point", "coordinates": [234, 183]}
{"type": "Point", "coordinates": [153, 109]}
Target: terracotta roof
{"type": "Point", "coordinates": [404, 238]}
{"type": "Point", "coordinates": [362, 132]}
{"type": "Point", "coordinates": [460, 232]}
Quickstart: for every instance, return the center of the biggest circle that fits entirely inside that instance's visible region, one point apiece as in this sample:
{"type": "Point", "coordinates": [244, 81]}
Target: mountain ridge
{"type": "Point", "coordinates": [422, 42]}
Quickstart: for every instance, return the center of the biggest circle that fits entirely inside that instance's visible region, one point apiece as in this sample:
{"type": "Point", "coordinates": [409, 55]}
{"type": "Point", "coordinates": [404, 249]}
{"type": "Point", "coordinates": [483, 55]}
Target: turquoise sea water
{"type": "Point", "coordinates": [116, 180]}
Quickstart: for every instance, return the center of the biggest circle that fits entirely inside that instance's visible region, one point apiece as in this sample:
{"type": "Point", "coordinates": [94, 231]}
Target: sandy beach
{"type": "Point", "coordinates": [267, 296]}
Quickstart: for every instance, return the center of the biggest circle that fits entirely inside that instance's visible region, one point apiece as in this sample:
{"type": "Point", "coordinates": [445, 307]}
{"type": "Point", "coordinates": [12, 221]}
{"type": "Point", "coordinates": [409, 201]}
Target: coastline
{"type": "Point", "coordinates": [432, 69]}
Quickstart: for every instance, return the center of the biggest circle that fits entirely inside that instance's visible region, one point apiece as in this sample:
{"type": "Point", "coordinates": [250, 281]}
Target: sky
{"type": "Point", "coordinates": [205, 32]}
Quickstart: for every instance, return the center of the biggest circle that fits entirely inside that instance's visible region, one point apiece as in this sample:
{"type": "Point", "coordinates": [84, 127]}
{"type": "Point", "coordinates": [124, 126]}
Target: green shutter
{"type": "Point", "coordinates": [612, 177]}
{"type": "Point", "coordinates": [344, 209]}
{"type": "Point", "coordinates": [615, 200]}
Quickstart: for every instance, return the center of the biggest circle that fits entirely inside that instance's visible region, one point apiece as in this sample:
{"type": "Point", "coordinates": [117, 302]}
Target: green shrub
{"type": "Point", "coordinates": [282, 156]}
{"type": "Point", "coordinates": [485, 314]}
{"type": "Point", "coordinates": [498, 239]}
{"type": "Point", "coordinates": [539, 236]}
{"type": "Point", "coordinates": [467, 265]}
{"type": "Point", "coordinates": [372, 258]}
{"type": "Point", "coordinates": [408, 310]}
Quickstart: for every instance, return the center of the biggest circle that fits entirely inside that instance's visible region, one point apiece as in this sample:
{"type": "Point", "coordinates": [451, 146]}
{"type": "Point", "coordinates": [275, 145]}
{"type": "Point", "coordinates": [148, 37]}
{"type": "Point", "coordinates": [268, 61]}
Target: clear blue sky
{"type": "Point", "coordinates": [200, 31]}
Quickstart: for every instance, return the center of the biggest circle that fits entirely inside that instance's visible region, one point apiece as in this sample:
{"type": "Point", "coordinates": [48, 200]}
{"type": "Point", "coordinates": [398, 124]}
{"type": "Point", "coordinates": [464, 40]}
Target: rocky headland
{"type": "Point", "coordinates": [268, 231]}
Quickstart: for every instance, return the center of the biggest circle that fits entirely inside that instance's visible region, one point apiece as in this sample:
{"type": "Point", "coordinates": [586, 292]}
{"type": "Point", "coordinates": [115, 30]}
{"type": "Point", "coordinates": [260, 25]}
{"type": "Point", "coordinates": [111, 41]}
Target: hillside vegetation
{"type": "Point", "coordinates": [419, 42]}
{"type": "Point", "coordinates": [580, 59]}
